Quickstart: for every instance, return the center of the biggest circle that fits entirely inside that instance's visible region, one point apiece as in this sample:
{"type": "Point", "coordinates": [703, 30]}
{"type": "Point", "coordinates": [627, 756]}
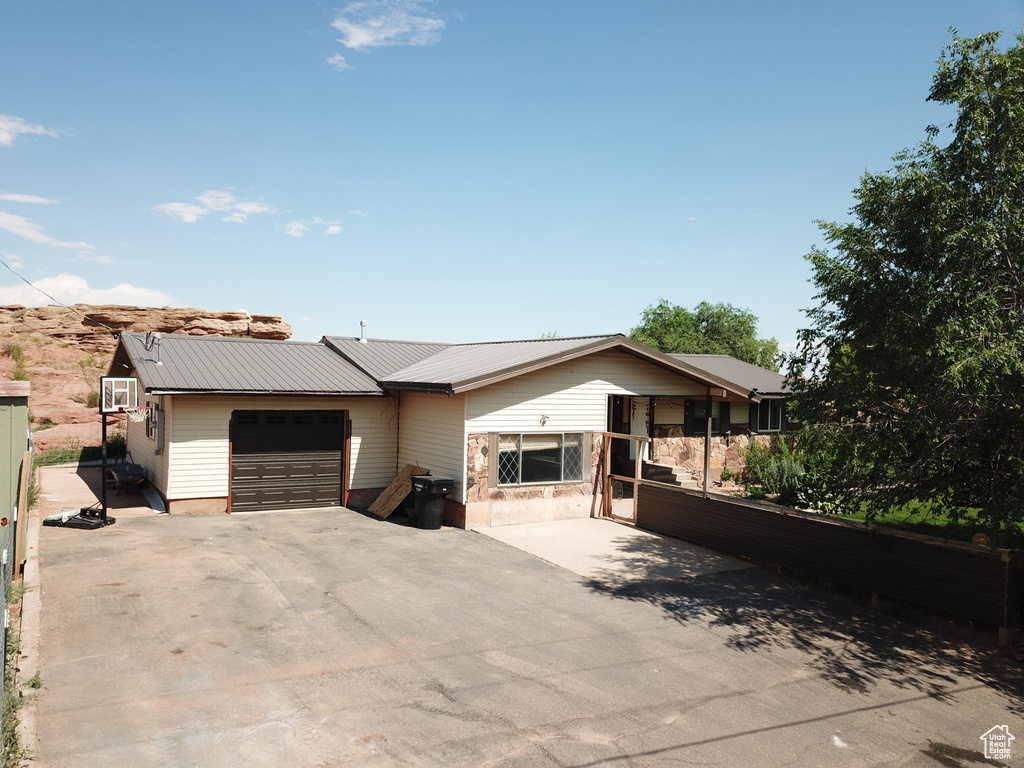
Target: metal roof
{"type": "Point", "coordinates": [748, 376]}
{"type": "Point", "coordinates": [346, 366]}
{"type": "Point", "coordinates": [222, 364]}
{"type": "Point", "coordinates": [463, 367]}
{"type": "Point", "coordinates": [379, 358]}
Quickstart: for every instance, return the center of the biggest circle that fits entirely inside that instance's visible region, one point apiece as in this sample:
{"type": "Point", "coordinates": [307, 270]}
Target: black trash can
{"type": "Point", "coordinates": [429, 494]}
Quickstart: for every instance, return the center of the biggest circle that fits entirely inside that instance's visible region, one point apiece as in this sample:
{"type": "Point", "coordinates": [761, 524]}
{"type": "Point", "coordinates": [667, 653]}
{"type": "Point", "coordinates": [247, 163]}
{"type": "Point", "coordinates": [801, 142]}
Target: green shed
{"type": "Point", "coordinates": [15, 440]}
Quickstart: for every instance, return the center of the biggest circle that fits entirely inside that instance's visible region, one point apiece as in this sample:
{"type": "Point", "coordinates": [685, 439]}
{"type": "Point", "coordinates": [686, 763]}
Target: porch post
{"type": "Point", "coordinates": [707, 446]}
{"type": "Point", "coordinates": [606, 479]}
{"type": "Point", "coordinates": [638, 473]}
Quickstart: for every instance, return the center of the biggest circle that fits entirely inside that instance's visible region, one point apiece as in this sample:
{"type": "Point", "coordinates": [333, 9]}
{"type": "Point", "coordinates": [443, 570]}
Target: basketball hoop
{"type": "Point", "coordinates": [138, 414]}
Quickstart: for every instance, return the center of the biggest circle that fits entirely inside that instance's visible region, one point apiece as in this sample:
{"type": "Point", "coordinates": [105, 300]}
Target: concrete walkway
{"type": "Point", "coordinates": [610, 552]}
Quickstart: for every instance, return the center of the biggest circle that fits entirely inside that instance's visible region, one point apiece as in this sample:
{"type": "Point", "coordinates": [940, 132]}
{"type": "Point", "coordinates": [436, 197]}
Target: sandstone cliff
{"type": "Point", "coordinates": [64, 350]}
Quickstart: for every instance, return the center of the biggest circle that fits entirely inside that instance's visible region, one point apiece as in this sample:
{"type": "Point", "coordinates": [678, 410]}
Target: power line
{"type": "Point", "coordinates": [57, 301]}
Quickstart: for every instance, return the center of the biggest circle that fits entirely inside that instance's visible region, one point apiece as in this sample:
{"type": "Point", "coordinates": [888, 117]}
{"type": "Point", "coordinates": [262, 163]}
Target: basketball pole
{"type": "Point", "coordinates": [103, 458]}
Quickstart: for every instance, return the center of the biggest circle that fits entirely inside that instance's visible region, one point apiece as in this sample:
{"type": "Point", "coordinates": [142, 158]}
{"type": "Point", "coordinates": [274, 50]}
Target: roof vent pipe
{"type": "Point", "coordinates": [362, 331]}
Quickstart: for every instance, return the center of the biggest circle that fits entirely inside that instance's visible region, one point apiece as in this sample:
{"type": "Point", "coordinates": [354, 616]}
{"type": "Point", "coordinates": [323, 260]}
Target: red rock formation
{"type": "Point", "coordinates": [66, 349]}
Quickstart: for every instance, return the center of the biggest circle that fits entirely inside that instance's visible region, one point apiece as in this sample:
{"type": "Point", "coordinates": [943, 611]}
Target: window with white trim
{"type": "Point", "coordinates": [540, 458]}
{"type": "Point", "coordinates": [769, 416]}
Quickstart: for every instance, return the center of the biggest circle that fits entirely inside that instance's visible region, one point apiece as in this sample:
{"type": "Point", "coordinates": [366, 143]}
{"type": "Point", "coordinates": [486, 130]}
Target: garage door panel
{"type": "Point", "coordinates": [286, 459]}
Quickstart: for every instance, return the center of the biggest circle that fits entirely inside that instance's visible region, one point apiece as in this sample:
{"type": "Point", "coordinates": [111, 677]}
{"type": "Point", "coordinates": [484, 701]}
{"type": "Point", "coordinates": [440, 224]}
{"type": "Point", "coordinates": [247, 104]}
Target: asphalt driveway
{"type": "Point", "coordinates": [329, 638]}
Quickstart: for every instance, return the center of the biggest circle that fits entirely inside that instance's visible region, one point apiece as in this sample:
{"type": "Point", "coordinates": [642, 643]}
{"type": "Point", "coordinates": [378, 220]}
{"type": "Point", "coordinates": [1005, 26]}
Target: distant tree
{"type": "Point", "coordinates": [912, 368]}
{"type": "Point", "coordinates": [710, 329]}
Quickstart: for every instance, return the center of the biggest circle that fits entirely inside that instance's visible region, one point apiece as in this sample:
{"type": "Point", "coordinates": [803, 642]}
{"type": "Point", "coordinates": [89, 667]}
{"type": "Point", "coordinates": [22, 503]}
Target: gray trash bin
{"type": "Point", "coordinates": [430, 493]}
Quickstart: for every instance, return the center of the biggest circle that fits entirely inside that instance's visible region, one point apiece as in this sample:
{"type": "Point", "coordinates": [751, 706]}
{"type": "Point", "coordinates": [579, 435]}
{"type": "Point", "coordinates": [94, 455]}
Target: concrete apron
{"type": "Point", "coordinates": [68, 487]}
{"type": "Point", "coordinates": [615, 553]}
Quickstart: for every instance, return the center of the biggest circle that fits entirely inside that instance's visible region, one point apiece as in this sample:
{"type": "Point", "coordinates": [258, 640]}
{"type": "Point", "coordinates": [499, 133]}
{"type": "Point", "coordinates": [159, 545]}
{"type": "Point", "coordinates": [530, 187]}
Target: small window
{"type": "Point", "coordinates": [769, 416]}
{"type": "Point", "coordinates": [329, 417]}
{"type": "Point", "coordinates": [276, 417]}
{"type": "Point", "coordinates": [152, 420]}
{"type": "Point", "coordinates": [531, 458]}
{"type": "Point", "coordinates": [302, 417]}
{"type": "Point", "coordinates": [247, 417]}
{"type": "Point", "coordinates": [700, 416]}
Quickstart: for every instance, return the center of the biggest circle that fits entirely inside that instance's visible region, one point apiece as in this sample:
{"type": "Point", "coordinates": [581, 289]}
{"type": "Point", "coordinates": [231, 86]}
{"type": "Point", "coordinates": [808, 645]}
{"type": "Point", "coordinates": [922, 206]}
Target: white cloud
{"type": "Point", "coordinates": [295, 229]}
{"type": "Point", "coordinates": [186, 212]}
{"type": "Point", "coordinates": [240, 211]}
{"type": "Point", "coordinates": [28, 229]}
{"type": "Point", "coordinates": [356, 212]}
{"type": "Point", "coordinates": [338, 62]}
{"type": "Point", "coordinates": [301, 228]}
{"type": "Point", "coordinates": [72, 289]}
{"type": "Point", "coordinates": [377, 23]}
{"type": "Point", "coordinates": [218, 200]}
{"type": "Point", "coordinates": [14, 261]}
{"type": "Point", "coordinates": [14, 197]}
{"type": "Point", "coordinates": [11, 127]}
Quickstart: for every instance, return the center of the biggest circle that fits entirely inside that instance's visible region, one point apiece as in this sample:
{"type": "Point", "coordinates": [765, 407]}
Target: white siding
{"type": "Point", "coordinates": [144, 451]}
{"type": "Point", "coordinates": [197, 449]}
{"type": "Point", "coordinates": [433, 436]}
{"type": "Point", "coordinates": [573, 395]}
{"type": "Point", "coordinates": [669, 411]}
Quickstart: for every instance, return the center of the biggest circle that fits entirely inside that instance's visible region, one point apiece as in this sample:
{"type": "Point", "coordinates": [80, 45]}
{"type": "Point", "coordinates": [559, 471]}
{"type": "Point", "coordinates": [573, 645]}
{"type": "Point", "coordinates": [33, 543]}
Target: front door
{"type": "Point", "coordinates": [639, 425]}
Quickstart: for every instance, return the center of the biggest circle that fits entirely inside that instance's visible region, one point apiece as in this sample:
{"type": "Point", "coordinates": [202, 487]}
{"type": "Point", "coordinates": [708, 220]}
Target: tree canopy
{"type": "Point", "coordinates": [710, 329]}
{"type": "Point", "coordinates": [913, 364]}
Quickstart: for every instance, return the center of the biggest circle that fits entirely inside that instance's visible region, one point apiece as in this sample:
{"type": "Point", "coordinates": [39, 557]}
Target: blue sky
{"type": "Point", "coordinates": [451, 170]}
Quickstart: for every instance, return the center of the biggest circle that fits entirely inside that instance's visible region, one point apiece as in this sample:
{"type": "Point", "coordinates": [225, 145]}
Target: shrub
{"type": "Point", "coordinates": [781, 477]}
{"type": "Point", "coordinates": [758, 456]}
{"type": "Point", "coordinates": [18, 355]}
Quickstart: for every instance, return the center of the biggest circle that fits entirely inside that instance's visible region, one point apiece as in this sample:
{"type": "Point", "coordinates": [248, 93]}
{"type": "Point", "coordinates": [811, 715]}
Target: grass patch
{"type": "Point", "coordinates": [929, 518]}
{"type": "Point", "coordinates": [73, 454]}
{"type": "Point", "coordinates": [11, 751]}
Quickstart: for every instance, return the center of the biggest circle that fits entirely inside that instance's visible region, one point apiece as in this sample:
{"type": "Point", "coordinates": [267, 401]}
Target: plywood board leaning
{"type": "Point", "coordinates": [400, 488]}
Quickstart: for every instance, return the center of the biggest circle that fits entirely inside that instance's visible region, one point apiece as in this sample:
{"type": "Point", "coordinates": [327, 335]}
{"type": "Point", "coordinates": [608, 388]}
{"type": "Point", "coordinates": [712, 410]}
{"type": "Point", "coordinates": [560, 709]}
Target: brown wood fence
{"type": "Point", "coordinates": [962, 580]}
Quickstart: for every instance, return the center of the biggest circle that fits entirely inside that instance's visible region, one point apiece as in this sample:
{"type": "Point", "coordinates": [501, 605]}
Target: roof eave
{"type": "Point", "coordinates": [262, 392]}
{"type": "Point", "coordinates": [534, 365]}
{"type": "Point", "coordinates": [419, 386]}
{"type": "Point", "coordinates": [692, 372]}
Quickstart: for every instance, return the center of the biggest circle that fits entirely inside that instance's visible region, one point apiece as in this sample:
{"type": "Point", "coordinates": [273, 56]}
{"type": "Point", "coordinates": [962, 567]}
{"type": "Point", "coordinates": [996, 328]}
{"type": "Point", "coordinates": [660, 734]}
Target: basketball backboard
{"type": "Point", "coordinates": [117, 392]}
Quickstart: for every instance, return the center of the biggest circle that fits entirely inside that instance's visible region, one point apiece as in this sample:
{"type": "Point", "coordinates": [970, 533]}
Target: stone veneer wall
{"type": "Point", "coordinates": [477, 449]}
{"type": "Point", "coordinates": [671, 448]}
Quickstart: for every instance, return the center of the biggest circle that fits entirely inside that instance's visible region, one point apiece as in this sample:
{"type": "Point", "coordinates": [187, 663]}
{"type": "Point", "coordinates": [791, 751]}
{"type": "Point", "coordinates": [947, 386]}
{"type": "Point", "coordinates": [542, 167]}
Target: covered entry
{"type": "Point", "coordinates": [288, 459]}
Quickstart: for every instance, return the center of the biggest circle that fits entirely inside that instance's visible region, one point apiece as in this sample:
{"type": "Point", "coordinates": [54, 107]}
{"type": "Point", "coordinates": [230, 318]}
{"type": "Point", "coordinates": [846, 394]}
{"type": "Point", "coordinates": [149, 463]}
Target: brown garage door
{"type": "Point", "coordinates": [286, 459]}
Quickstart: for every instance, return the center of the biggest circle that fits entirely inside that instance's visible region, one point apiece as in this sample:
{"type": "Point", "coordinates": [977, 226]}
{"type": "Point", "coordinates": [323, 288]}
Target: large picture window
{"type": "Point", "coordinates": [769, 416]}
{"type": "Point", "coordinates": [548, 458]}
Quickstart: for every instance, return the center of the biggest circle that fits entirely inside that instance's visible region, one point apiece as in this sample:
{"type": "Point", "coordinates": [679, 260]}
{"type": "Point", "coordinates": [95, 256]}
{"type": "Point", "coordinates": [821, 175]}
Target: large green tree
{"type": "Point", "coordinates": [913, 364]}
{"type": "Point", "coordinates": [710, 329]}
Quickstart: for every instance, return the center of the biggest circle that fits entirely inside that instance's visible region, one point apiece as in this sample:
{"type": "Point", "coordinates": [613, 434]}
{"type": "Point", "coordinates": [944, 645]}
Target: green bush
{"type": "Point", "coordinates": [781, 477]}
{"type": "Point", "coordinates": [18, 355]}
{"type": "Point", "coordinates": [758, 456]}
